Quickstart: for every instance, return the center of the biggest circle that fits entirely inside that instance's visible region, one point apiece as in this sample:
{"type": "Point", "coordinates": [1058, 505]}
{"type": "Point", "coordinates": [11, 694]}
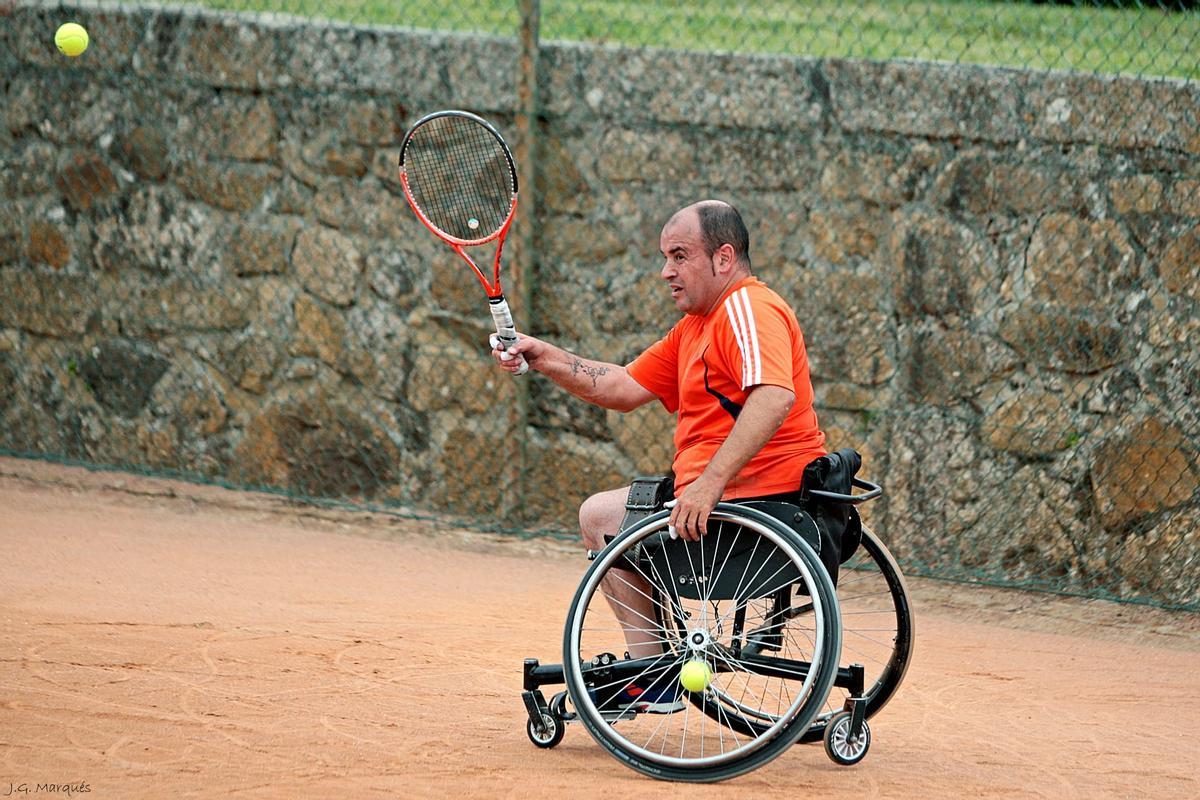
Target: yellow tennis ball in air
{"type": "Point", "coordinates": [695, 675]}
{"type": "Point", "coordinates": [71, 38]}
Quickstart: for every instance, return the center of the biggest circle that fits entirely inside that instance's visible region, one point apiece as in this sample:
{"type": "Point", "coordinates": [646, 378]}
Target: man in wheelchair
{"type": "Point", "coordinates": [735, 371]}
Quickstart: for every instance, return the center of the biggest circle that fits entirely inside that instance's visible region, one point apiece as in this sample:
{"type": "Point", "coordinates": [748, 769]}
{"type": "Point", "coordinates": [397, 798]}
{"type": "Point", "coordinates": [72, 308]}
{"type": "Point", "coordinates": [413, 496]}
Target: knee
{"type": "Point", "coordinates": [596, 520]}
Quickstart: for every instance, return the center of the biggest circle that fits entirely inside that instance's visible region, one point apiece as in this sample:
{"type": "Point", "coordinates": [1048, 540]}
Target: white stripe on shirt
{"type": "Point", "coordinates": [735, 325]}
{"type": "Point", "coordinates": [741, 317]}
{"type": "Point", "coordinates": [753, 331]}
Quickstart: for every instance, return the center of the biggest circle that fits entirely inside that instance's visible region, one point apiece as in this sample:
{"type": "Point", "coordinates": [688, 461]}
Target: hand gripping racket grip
{"type": "Point", "coordinates": [506, 332]}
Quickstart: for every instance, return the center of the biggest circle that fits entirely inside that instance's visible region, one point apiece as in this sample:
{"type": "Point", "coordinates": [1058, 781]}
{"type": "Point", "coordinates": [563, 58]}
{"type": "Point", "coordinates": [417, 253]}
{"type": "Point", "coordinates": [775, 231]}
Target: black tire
{"type": "Point", "coordinates": [553, 732]}
{"type": "Point", "coordinates": [877, 632]}
{"type": "Point", "coordinates": [842, 748]}
{"type": "Point", "coordinates": [878, 629]}
{"type": "Point", "coordinates": [701, 590]}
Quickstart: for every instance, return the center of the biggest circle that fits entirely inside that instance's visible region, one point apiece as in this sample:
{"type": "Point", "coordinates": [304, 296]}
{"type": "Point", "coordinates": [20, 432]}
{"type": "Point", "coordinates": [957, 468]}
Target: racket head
{"type": "Point", "coordinates": [459, 177]}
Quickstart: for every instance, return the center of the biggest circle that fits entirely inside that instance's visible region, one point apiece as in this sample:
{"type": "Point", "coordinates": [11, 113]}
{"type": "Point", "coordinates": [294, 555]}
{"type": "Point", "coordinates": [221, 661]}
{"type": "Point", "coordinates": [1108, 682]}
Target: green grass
{"type": "Point", "coordinates": [1136, 41]}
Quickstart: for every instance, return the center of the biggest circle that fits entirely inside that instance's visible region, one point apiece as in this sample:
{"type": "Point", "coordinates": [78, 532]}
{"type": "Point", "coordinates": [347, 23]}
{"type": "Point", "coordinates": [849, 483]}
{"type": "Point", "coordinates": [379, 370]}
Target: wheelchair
{"type": "Point", "coordinates": [760, 621]}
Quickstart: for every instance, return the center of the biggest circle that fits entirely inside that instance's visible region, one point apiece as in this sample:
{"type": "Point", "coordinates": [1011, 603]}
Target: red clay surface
{"type": "Point", "coordinates": [164, 640]}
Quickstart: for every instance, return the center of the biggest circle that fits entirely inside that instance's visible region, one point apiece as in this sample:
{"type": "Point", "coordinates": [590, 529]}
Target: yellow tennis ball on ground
{"type": "Point", "coordinates": [695, 675]}
{"type": "Point", "coordinates": [71, 38]}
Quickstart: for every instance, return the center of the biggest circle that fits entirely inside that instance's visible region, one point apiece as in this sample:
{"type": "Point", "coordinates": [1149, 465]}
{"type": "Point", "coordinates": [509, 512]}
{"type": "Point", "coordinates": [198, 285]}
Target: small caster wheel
{"type": "Point", "coordinates": [551, 733]}
{"type": "Point", "coordinates": [840, 746]}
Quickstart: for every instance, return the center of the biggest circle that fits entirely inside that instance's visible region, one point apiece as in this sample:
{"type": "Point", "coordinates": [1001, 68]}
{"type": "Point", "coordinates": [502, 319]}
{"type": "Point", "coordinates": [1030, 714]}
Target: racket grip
{"type": "Point", "coordinates": [506, 332]}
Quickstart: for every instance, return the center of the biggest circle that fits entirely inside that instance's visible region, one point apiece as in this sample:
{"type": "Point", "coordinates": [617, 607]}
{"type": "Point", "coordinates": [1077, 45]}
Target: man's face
{"type": "Point", "coordinates": [687, 269]}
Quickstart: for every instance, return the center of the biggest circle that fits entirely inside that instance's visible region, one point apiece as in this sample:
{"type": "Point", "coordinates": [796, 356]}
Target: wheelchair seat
{"type": "Point", "coordinates": [825, 496]}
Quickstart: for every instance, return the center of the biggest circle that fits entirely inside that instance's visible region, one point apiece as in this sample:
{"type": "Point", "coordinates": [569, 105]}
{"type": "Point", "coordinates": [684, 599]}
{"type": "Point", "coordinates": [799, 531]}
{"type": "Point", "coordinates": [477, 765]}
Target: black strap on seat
{"type": "Point", "coordinates": [647, 495]}
{"type": "Point", "coordinates": [839, 523]}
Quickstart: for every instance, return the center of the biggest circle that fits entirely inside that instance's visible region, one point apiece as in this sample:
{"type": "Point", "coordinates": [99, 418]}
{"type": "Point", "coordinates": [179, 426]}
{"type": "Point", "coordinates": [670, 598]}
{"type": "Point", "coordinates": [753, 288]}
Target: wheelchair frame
{"type": "Point", "coordinates": [748, 655]}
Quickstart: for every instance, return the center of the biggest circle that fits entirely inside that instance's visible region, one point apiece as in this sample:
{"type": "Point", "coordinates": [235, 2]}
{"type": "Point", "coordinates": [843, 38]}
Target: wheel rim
{"type": "Point", "coordinates": [690, 738]}
{"type": "Point", "coordinates": [840, 743]}
{"type": "Point", "coordinates": [550, 729]}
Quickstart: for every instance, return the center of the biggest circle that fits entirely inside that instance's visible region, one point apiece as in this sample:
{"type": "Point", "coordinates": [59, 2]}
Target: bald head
{"type": "Point", "coordinates": [719, 223]}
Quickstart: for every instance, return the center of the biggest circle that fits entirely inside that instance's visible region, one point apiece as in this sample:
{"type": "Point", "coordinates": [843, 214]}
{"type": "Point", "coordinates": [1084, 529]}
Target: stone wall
{"type": "Point", "coordinates": [207, 268]}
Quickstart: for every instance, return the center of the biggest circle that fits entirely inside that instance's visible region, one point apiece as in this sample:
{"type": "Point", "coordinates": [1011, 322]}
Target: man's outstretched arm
{"type": "Point", "coordinates": [598, 382]}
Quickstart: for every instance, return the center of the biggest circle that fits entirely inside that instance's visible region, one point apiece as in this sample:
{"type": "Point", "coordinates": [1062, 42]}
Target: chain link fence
{"type": "Point", "coordinates": [986, 214]}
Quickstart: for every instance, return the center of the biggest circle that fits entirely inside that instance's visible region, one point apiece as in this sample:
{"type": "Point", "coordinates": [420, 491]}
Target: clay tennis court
{"type": "Point", "coordinates": [159, 639]}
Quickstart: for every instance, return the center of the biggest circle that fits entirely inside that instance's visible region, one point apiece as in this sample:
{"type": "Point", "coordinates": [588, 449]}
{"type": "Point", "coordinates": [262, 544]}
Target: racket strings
{"type": "Point", "coordinates": [460, 177]}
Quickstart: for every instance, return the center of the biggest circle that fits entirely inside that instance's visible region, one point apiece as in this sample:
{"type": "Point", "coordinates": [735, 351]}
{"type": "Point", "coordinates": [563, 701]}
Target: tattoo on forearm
{"type": "Point", "coordinates": [593, 372]}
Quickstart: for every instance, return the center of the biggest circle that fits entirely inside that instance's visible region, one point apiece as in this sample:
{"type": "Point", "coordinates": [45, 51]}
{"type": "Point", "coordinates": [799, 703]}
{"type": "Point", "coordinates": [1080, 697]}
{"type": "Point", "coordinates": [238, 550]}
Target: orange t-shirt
{"type": "Point", "coordinates": [704, 369]}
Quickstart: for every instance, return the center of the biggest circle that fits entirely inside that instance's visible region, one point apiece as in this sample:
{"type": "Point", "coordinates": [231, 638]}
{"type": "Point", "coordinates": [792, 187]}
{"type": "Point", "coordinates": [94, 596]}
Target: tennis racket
{"type": "Point", "coordinates": [461, 181]}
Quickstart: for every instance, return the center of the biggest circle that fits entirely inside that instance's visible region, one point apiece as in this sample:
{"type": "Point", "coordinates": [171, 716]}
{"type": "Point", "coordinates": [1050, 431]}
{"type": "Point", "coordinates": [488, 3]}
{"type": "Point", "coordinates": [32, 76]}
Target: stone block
{"type": "Point", "coordinates": [46, 304]}
{"type": "Point", "coordinates": [191, 395]}
{"type": "Point", "coordinates": [328, 264]}
{"type": "Point", "coordinates": [232, 127]}
{"type": "Point", "coordinates": [24, 170]}
{"type": "Point", "coordinates": [222, 50]}
{"type": "Point", "coordinates": [928, 100]}
{"type": "Point", "coordinates": [358, 207]}
{"type": "Point", "coordinates": [261, 248]}
{"type": "Point", "coordinates": [122, 374]}
{"type": "Point", "coordinates": [848, 396]}
{"type": "Point", "coordinates": [86, 181]}
{"type": "Point", "coordinates": [320, 332]}
{"type": "Point", "coordinates": [1032, 425]}
{"type": "Point", "coordinates": [1072, 341]}
{"type": "Point", "coordinates": [845, 234]}
{"type": "Point", "coordinates": [462, 449]}
{"type": "Point", "coordinates": [1158, 563]}
{"type": "Point", "coordinates": [1036, 535]}
{"type": "Point", "coordinates": [638, 155]}
{"type": "Point", "coordinates": [374, 122]}
{"type": "Point", "coordinates": [251, 361]}
{"type": "Point", "coordinates": [1135, 194]}
{"type": "Point", "coordinates": [1142, 471]}
{"type": "Point", "coordinates": [446, 373]}
{"type": "Point", "coordinates": [1077, 263]}
{"type": "Point", "coordinates": [875, 178]}
{"type": "Point", "coordinates": [984, 184]}
{"type": "Point", "coordinates": [577, 239]}
{"type": "Point", "coordinates": [329, 154]}
{"type": "Point", "coordinates": [47, 245]}
{"type": "Point", "coordinates": [378, 348]}
{"type": "Point", "coordinates": [739, 91]}
{"type": "Point", "coordinates": [1185, 198]}
{"type": "Point", "coordinates": [1115, 111]}
{"type": "Point", "coordinates": [1179, 267]}
{"type": "Point", "coordinates": [943, 268]}
{"type": "Point", "coordinates": [153, 308]}
{"type": "Point", "coordinates": [158, 233]}
{"type": "Point", "coordinates": [562, 187]}
{"type": "Point", "coordinates": [229, 186]}
{"type": "Point", "coordinates": [319, 446]}
{"type": "Point", "coordinates": [844, 318]}
{"type": "Point", "coordinates": [946, 366]}
{"type": "Point", "coordinates": [563, 469]}
{"type": "Point", "coordinates": [146, 151]}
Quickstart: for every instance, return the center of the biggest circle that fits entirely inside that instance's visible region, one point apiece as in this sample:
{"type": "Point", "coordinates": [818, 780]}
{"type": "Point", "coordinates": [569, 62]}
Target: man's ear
{"type": "Point", "coordinates": [723, 258]}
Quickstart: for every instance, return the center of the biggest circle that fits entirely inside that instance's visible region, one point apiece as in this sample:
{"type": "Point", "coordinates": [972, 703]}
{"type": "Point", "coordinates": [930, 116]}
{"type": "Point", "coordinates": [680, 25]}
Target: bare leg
{"type": "Point", "coordinates": [627, 593]}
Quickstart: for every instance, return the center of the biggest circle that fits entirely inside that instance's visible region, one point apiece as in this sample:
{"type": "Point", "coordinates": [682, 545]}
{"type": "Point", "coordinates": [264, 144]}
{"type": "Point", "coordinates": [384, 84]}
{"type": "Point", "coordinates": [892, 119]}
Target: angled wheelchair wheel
{"type": "Point", "coordinates": [877, 633]}
{"type": "Point", "coordinates": [696, 603]}
{"type": "Point", "coordinates": [877, 629]}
